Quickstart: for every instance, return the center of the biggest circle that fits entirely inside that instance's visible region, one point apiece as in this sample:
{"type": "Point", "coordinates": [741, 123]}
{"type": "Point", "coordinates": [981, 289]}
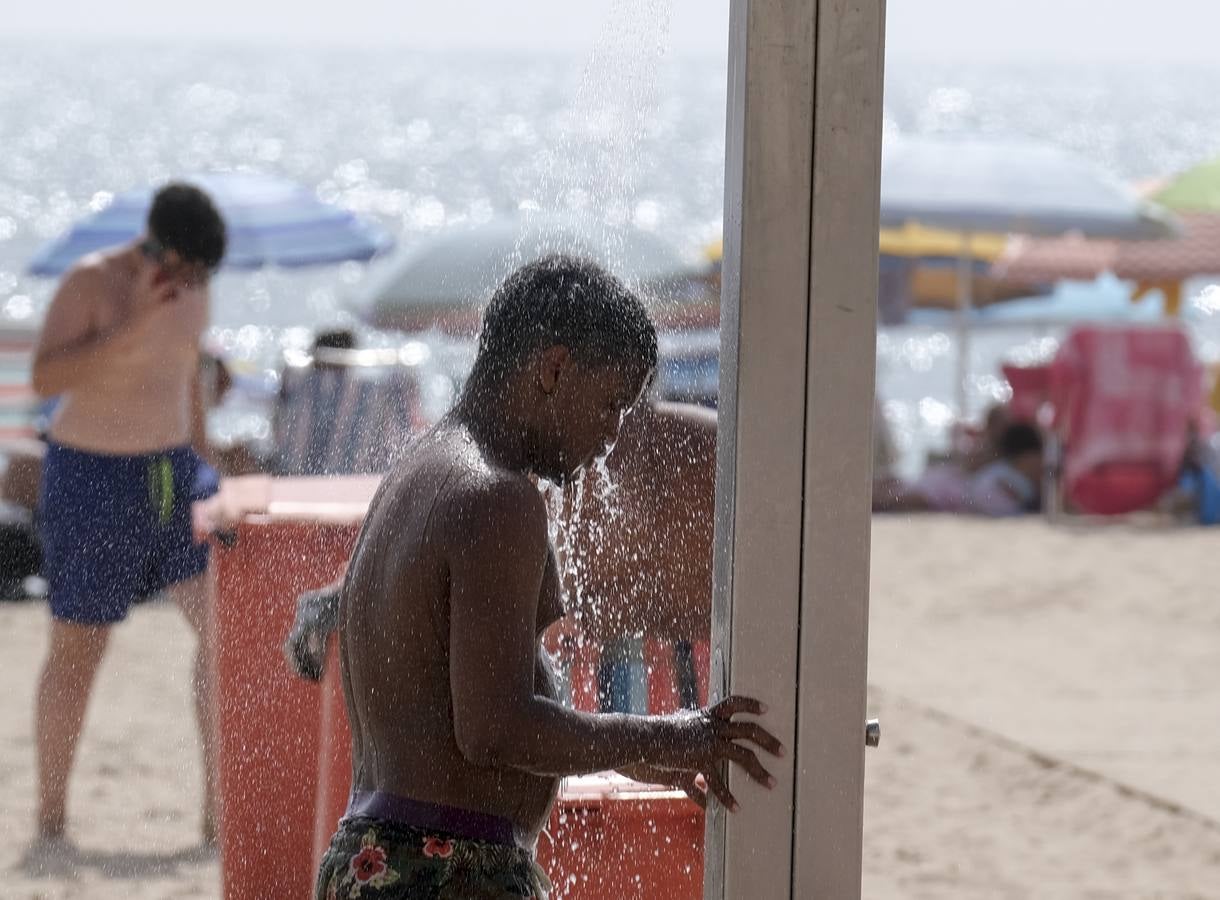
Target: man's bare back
{"type": "Point", "coordinates": [395, 624]}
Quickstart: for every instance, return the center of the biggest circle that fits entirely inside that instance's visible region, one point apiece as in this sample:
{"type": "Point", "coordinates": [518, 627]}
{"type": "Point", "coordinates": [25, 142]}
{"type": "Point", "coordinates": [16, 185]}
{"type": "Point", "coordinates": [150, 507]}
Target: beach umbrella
{"type": "Point", "coordinates": [935, 286]}
{"type": "Point", "coordinates": [1195, 196]}
{"type": "Point", "coordinates": [270, 221]}
{"type": "Point", "coordinates": [917, 269]}
{"type": "Point", "coordinates": [1195, 190]}
{"type": "Point", "coordinates": [1152, 265]}
{"type": "Point", "coordinates": [446, 279]}
{"type": "Point", "coordinates": [1009, 187]}
{"type": "Point", "coordinates": [973, 185]}
{"type": "Point", "coordinates": [1072, 258]}
{"type": "Point", "coordinates": [917, 241]}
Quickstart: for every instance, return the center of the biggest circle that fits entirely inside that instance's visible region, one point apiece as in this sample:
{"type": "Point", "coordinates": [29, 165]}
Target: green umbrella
{"type": "Point", "coordinates": [1195, 190]}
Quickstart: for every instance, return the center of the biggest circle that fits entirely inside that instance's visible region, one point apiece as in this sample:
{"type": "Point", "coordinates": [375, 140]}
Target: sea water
{"type": "Point", "coordinates": [421, 140]}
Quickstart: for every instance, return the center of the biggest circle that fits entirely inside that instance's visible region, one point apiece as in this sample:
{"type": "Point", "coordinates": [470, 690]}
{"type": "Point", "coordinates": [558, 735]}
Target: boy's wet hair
{"type": "Point", "coordinates": [1018, 439]}
{"type": "Point", "coordinates": [184, 219]}
{"type": "Point", "coordinates": [563, 300]}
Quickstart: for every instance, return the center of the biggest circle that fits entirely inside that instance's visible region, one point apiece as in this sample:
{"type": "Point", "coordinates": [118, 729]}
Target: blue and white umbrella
{"type": "Point", "coordinates": [270, 222]}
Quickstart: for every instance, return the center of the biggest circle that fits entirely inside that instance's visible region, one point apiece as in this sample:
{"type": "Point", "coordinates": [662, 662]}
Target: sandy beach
{"type": "Point", "coordinates": [1048, 699]}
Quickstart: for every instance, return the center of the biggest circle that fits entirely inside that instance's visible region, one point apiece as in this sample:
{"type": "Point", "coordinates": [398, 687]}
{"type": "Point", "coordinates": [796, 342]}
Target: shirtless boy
{"type": "Point", "coordinates": [120, 347]}
{"type": "Point", "coordinates": [458, 743]}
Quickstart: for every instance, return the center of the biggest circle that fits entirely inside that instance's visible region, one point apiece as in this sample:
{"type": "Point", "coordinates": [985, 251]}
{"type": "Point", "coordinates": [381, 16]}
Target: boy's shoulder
{"type": "Point", "coordinates": [473, 489]}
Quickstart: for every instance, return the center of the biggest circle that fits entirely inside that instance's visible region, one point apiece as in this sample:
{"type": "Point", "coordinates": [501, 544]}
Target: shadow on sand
{"type": "Point", "coordinates": [63, 859]}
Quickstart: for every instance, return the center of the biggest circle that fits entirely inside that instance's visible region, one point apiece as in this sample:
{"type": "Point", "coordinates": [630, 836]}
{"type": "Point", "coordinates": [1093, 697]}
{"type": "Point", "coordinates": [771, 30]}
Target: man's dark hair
{"type": "Point", "coordinates": [563, 300]}
{"type": "Point", "coordinates": [184, 219]}
{"type": "Point", "coordinates": [1018, 439]}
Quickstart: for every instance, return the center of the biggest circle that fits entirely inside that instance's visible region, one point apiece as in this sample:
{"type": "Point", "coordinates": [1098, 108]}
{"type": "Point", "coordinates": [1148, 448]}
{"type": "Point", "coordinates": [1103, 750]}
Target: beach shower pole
{"type": "Point", "coordinates": [793, 488]}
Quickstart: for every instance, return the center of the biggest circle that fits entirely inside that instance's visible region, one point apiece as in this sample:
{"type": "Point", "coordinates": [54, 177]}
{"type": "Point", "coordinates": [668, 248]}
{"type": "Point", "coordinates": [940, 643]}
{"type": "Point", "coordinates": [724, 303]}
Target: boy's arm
{"type": "Point", "coordinates": [545, 682]}
{"type": "Point", "coordinates": [497, 538]}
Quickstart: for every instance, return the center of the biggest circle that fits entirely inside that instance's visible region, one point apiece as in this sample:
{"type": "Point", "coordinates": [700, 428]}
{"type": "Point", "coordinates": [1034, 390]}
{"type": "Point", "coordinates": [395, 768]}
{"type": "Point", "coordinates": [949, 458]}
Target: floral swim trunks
{"type": "Point", "coordinates": [375, 859]}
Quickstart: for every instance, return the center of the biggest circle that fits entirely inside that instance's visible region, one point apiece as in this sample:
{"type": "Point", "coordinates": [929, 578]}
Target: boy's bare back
{"type": "Point", "coordinates": [395, 634]}
{"type": "Point", "coordinates": [454, 580]}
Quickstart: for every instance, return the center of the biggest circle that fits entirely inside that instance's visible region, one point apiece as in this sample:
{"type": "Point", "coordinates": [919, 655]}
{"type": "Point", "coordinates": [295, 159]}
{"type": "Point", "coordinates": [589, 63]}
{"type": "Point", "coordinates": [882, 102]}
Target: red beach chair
{"type": "Point", "coordinates": [1125, 401]}
{"type": "Point", "coordinates": [1030, 390]}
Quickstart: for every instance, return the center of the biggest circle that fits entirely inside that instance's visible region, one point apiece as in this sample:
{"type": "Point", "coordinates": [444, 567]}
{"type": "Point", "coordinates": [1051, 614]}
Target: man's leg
{"type": "Point", "coordinates": [194, 598]}
{"type": "Point", "coordinates": [63, 696]}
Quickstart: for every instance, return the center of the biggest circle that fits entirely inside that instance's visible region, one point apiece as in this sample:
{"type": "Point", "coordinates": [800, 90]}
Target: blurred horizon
{"type": "Point", "coordinates": [1119, 32]}
{"type": "Point", "coordinates": [531, 107]}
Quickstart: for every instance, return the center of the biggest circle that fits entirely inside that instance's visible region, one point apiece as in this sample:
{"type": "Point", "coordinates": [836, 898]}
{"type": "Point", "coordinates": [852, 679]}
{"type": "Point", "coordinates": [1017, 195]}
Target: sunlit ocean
{"type": "Point", "coordinates": [422, 140]}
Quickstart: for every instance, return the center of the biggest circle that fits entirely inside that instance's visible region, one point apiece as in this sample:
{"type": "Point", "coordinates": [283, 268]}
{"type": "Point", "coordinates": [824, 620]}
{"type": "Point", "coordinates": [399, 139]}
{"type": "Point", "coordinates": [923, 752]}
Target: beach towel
{"type": "Point", "coordinates": [1126, 401]}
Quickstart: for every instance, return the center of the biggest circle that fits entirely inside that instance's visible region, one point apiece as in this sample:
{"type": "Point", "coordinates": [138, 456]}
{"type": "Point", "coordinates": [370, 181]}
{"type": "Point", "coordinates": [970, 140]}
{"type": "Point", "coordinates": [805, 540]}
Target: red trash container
{"type": "Point", "coordinates": [268, 719]}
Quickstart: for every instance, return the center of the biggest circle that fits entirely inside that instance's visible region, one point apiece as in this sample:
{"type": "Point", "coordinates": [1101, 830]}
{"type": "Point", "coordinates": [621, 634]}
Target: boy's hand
{"type": "Point", "coordinates": [711, 737]}
{"type": "Point", "coordinates": [690, 783]}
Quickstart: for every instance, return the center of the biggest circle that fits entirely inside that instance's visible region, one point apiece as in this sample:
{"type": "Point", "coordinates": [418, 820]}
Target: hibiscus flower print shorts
{"type": "Point", "coordinates": [371, 859]}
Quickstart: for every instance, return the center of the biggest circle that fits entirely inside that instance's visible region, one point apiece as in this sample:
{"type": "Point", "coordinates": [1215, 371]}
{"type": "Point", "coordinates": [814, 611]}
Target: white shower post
{"type": "Point", "coordinates": [798, 344]}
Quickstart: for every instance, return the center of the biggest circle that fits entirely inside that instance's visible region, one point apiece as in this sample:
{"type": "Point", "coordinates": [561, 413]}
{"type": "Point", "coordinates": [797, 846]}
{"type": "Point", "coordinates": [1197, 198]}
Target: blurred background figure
{"type": "Point", "coordinates": [125, 459]}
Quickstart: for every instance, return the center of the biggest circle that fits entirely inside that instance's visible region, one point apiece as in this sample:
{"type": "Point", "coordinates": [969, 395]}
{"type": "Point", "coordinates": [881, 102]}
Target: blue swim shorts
{"type": "Point", "coordinates": [116, 529]}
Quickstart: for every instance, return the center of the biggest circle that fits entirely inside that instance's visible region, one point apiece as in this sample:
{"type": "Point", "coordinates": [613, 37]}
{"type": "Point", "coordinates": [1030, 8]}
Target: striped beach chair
{"type": "Point", "coordinates": [345, 417]}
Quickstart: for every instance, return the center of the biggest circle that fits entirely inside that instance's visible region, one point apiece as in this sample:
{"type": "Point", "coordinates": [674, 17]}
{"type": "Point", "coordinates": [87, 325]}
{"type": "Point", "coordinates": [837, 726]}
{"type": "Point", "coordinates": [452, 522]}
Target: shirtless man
{"type": "Point", "coordinates": [120, 347]}
{"type": "Point", "coordinates": [458, 742]}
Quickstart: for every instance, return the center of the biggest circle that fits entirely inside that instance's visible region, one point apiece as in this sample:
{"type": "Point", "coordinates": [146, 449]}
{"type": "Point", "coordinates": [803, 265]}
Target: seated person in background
{"type": "Point", "coordinates": [945, 484]}
{"type": "Point", "coordinates": [1196, 496]}
{"type": "Point", "coordinates": [1009, 486]}
{"type": "Point", "coordinates": [984, 448]}
{"type": "Point", "coordinates": [1006, 486]}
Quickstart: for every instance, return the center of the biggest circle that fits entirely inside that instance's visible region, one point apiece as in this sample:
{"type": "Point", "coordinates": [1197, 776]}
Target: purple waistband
{"type": "Point", "coordinates": [461, 823]}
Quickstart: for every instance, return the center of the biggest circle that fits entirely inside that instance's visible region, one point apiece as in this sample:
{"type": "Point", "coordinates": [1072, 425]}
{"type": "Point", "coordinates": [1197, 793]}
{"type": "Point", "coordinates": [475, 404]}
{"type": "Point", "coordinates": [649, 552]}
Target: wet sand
{"type": "Point", "coordinates": [1050, 700]}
